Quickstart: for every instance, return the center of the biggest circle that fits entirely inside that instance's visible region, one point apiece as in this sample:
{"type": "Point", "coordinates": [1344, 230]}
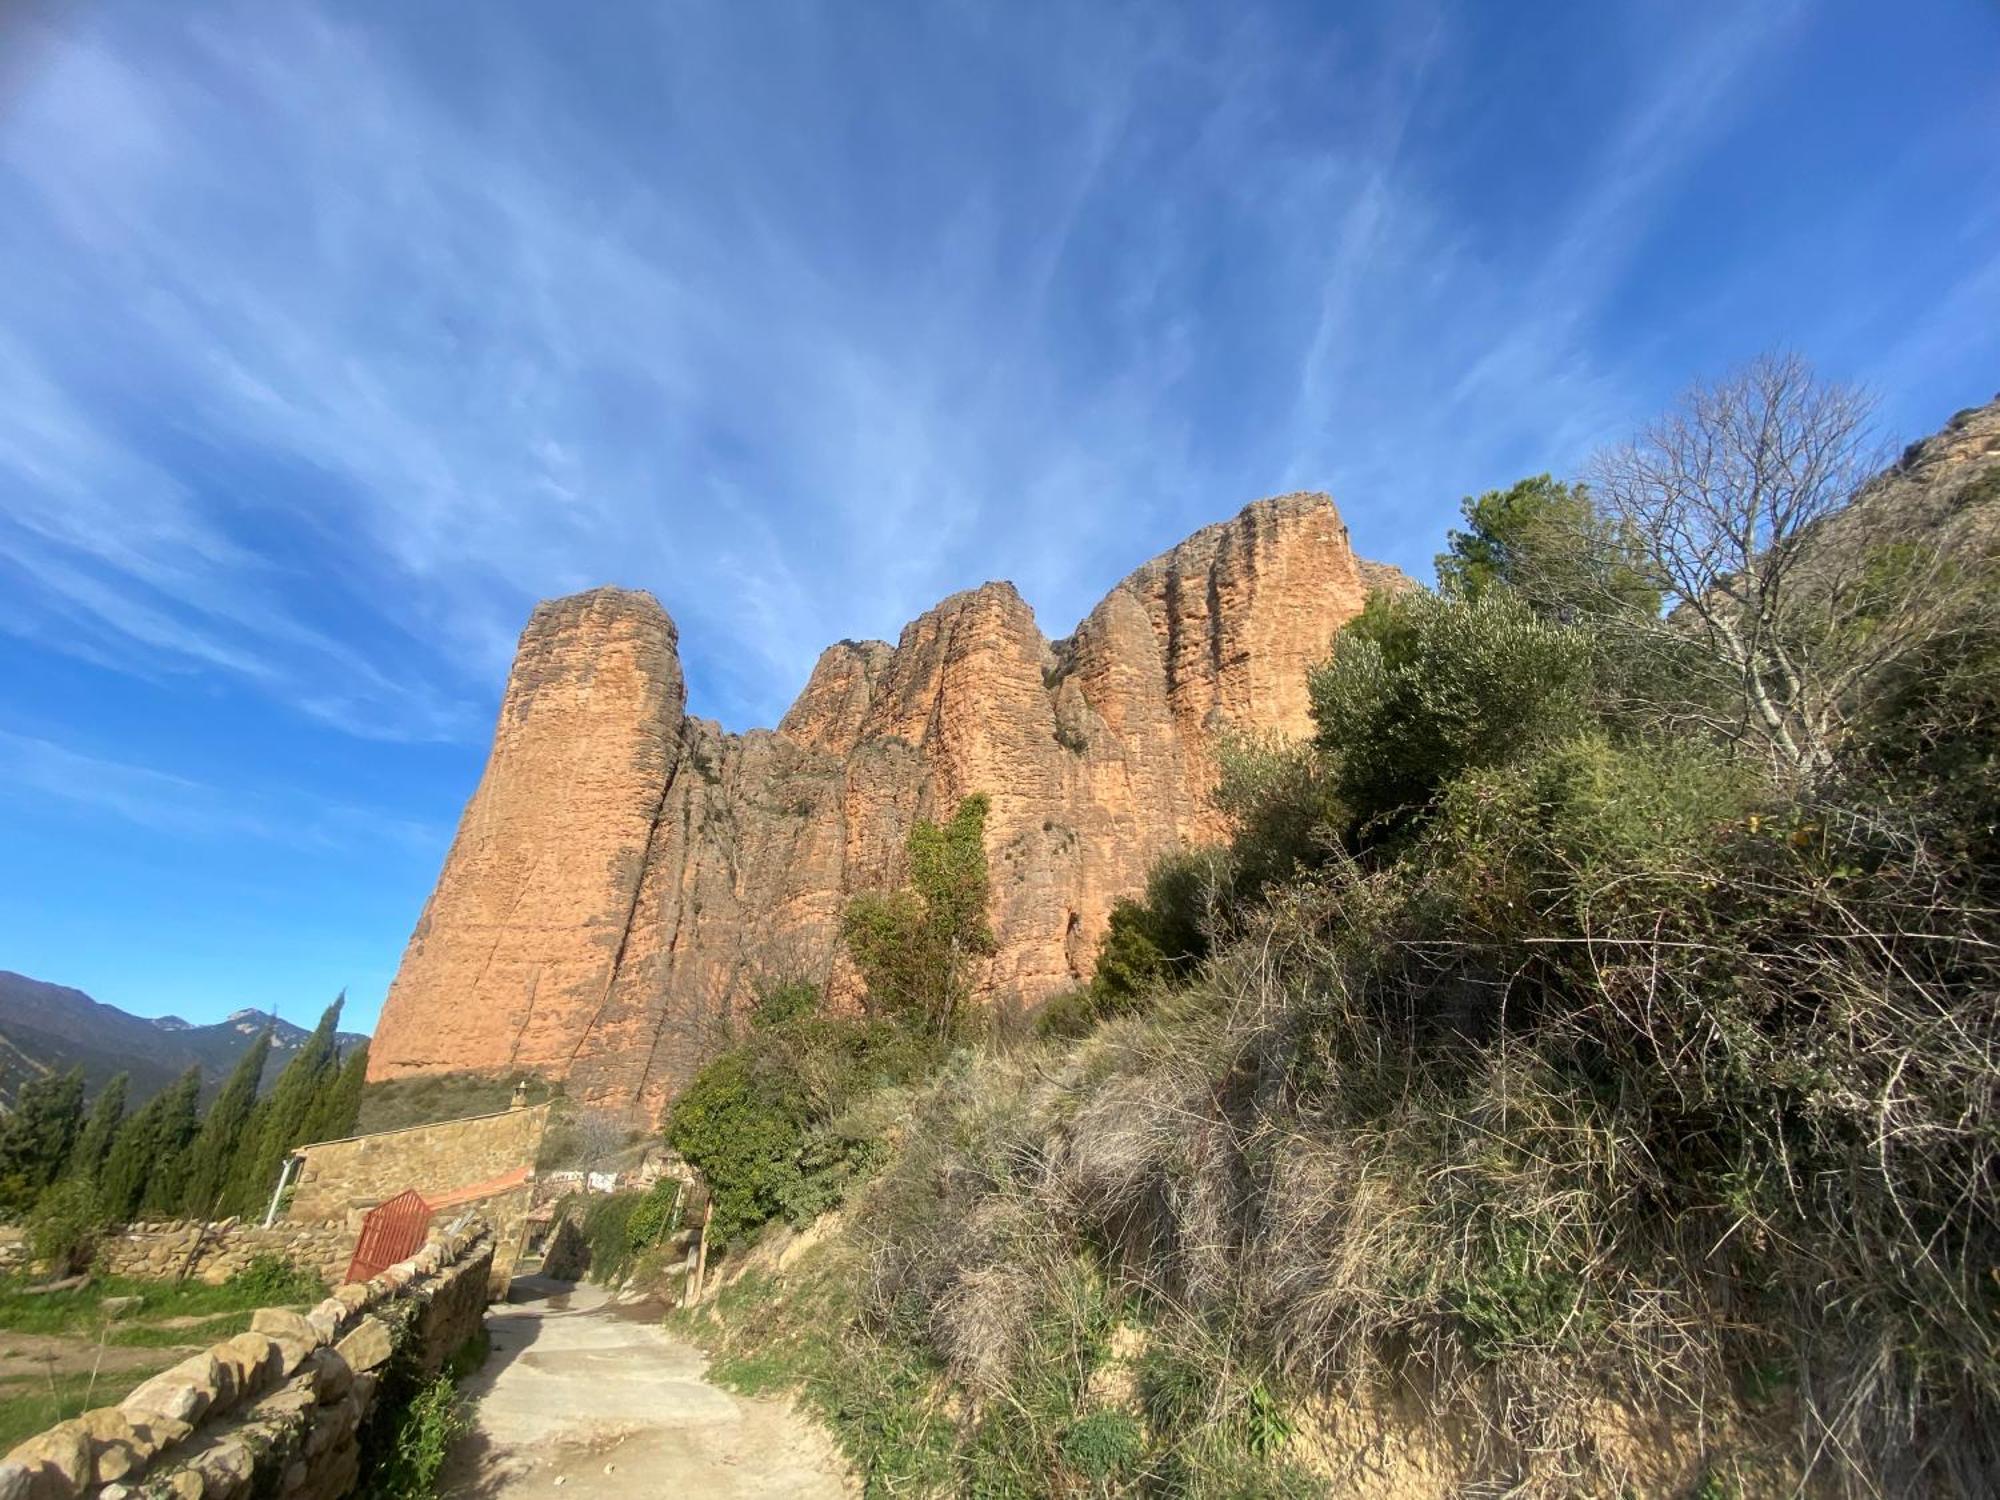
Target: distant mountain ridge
{"type": "Point", "coordinates": [51, 1027]}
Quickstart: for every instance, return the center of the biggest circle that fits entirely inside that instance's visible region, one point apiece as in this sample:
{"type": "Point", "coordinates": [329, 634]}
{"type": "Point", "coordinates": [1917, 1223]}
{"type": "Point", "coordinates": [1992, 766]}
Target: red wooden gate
{"type": "Point", "coordinates": [392, 1232]}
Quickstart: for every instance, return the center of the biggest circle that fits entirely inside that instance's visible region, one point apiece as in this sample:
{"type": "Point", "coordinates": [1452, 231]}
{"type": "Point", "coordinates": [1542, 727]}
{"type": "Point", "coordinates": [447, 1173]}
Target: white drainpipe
{"type": "Point", "coordinates": [284, 1181]}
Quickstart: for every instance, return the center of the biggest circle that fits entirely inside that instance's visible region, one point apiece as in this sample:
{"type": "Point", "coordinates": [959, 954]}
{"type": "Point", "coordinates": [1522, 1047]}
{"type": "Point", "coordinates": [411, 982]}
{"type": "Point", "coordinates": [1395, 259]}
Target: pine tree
{"type": "Point", "coordinates": [281, 1120]}
{"type": "Point", "coordinates": [179, 1124]}
{"type": "Point", "coordinates": [37, 1138]}
{"type": "Point", "coordinates": [107, 1113]}
{"type": "Point", "coordinates": [141, 1144]}
{"type": "Point", "coordinates": [337, 1107]}
{"type": "Point", "coordinates": [223, 1131]}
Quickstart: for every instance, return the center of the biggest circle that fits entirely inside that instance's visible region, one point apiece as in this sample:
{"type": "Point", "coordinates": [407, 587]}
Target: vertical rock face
{"type": "Point", "coordinates": [624, 876]}
{"type": "Point", "coordinates": [516, 949]}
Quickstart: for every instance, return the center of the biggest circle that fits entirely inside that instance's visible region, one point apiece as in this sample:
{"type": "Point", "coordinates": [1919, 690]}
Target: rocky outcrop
{"type": "Point", "coordinates": [625, 875]}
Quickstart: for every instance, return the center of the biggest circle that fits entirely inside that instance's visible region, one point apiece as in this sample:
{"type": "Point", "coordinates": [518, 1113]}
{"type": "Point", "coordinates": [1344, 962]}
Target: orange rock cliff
{"type": "Point", "coordinates": [625, 875]}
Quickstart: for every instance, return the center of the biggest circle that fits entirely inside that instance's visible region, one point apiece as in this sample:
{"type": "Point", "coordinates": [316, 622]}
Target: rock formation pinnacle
{"type": "Point", "coordinates": [625, 876]}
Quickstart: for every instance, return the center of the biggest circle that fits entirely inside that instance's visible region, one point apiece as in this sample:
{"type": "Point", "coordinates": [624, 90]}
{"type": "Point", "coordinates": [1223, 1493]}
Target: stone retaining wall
{"type": "Point", "coordinates": [275, 1412]}
{"type": "Point", "coordinates": [180, 1249]}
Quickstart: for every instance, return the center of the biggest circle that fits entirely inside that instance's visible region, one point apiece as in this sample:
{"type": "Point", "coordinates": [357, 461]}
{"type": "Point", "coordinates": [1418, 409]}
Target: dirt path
{"type": "Point", "coordinates": [584, 1400]}
{"type": "Point", "coordinates": [40, 1355]}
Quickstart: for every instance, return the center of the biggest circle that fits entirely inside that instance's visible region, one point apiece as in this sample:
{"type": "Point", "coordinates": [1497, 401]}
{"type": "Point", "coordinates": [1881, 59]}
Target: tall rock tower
{"type": "Point", "coordinates": [625, 876]}
{"type": "Point", "coordinates": [518, 945]}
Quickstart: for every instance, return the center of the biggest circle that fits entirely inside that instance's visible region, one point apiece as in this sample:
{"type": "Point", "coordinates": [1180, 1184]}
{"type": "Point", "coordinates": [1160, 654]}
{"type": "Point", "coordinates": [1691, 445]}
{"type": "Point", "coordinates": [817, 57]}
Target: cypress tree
{"type": "Point", "coordinates": [222, 1132]}
{"type": "Point", "coordinates": [338, 1104]}
{"type": "Point", "coordinates": [137, 1152]}
{"type": "Point", "coordinates": [107, 1113]}
{"type": "Point", "coordinates": [36, 1140]}
{"type": "Point", "coordinates": [282, 1118]}
{"type": "Point", "coordinates": [179, 1122]}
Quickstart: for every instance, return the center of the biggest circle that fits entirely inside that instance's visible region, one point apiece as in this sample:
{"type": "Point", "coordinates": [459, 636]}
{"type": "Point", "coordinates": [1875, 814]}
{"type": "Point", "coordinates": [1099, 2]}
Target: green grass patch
{"type": "Point", "coordinates": [33, 1404]}
{"type": "Point", "coordinates": [223, 1309]}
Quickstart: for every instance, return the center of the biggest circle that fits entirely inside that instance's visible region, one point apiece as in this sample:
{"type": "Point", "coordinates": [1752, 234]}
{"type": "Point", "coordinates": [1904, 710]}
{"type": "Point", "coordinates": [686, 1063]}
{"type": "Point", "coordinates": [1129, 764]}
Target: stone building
{"type": "Point", "coordinates": [483, 1162]}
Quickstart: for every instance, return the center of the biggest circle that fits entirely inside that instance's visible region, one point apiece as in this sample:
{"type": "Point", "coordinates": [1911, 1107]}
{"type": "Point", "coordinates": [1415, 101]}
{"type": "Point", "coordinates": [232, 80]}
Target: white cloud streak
{"type": "Point", "coordinates": [36, 772]}
{"type": "Point", "coordinates": [324, 359]}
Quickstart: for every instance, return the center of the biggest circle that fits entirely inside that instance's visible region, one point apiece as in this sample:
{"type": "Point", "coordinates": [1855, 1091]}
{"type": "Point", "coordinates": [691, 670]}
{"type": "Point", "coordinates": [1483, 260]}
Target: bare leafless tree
{"type": "Point", "coordinates": [1801, 584]}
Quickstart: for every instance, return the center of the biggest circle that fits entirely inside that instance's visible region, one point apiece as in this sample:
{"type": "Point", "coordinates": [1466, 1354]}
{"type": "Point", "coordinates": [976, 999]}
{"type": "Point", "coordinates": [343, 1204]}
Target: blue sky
{"type": "Point", "coordinates": [332, 337]}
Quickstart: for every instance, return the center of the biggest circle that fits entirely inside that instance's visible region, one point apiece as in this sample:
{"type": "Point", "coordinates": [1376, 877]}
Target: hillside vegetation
{"type": "Point", "coordinates": [1576, 1076]}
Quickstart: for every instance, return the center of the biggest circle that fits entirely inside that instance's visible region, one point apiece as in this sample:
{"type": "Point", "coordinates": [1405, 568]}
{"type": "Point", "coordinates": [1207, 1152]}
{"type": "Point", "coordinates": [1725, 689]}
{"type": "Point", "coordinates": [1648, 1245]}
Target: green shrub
{"type": "Point", "coordinates": [1067, 1015]}
{"type": "Point", "coordinates": [67, 1222]}
{"type": "Point", "coordinates": [1286, 816]}
{"type": "Point", "coordinates": [1421, 689]}
{"type": "Point", "coordinates": [786, 1001]}
{"type": "Point", "coordinates": [1174, 1391]}
{"type": "Point", "coordinates": [758, 1121]}
{"type": "Point", "coordinates": [1518, 1296]}
{"type": "Point", "coordinates": [1149, 944]}
{"type": "Point", "coordinates": [1544, 541]}
{"type": "Point", "coordinates": [620, 1227]}
{"type": "Point", "coordinates": [273, 1280]}
{"type": "Point", "coordinates": [421, 1442]}
{"type": "Point", "coordinates": [606, 1223]}
{"type": "Point", "coordinates": [1103, 1445]}
{"type": "Point", "coordinates": [656, 1215]}
{"type": "Point", "coordinates": [916, 947]}
{"type": "Point", "coordinates": [741, 1123]}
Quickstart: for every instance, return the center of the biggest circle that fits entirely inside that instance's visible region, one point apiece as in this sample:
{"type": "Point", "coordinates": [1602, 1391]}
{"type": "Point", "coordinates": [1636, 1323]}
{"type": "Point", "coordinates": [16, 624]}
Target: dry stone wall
{"type": "Point", "coordinates": [278, 1411]}
{"type": "Point", "coordinates": [624, 875]}
{"type": "Point", "coordinates": [181, 1249]}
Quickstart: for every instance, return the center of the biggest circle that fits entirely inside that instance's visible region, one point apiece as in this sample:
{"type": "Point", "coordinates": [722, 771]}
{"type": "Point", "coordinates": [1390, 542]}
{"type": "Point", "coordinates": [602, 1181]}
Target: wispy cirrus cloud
{"type": "Point", "coordinates": [334, 335]}
{"type": "Point", "coordinates": [340, 338]}
{"type": "Point", "coordinates": [36, 772]}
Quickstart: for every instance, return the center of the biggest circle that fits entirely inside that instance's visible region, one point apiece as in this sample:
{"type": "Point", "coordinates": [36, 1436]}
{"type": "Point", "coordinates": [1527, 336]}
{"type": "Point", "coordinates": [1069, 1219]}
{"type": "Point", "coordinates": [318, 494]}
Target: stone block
{"type": "Point", "coordinates": [292, 1353]}
{"type": "Point", "coordinates": [330, 1376]}
{"type": "Point", "coordinates": [183, 1393]}
{"type": "Point", "coordinates": [334, 1475]}
{"type": "Point", "coordinates": [154, 1433]}
{"type": "Point", "coordinates": [117, 1448]}
{"type": "Point", "coordinates": [261, 1360]}
{"type": "Point", "coordinates": [326, 1318]}
{"type": "Point", "coordinates": [281, 1323]}
{"type": "Point", "coordinates": [58, 1462]}
{"type": "Point", "coordinates": [115, 1308]}
{"type": "Point", "coordinates": [332, 1425]}
{"type": "Point", "coordinates": [356, 1296]}
{"type": "Point", "coordinates": [368, 1347]}
{"type": "Point", "coordinates": [226, 1469]}
{"type": "Point", "coordinates": [16, 1482]}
